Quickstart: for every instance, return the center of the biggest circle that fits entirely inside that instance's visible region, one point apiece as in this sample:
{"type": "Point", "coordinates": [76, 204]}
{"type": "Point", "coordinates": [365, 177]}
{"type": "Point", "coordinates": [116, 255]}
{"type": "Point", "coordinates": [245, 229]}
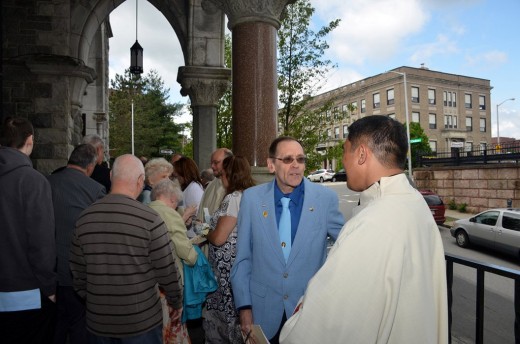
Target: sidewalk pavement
{"type": "Point", "coordinates": [453, 215]}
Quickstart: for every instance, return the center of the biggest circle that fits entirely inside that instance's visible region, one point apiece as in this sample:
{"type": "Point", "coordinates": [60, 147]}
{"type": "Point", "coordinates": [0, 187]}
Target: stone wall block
{"type": "Point", "coordinates": [51, 135]}
{"type": "Point", "coordinates": [497, 184]}
{"type": "Point", "coordinates": [24, 108]}
{"type": "Point", "coordinates": [485, 193]}
{"type": "Point", "coordinates": [469, 174]}
{"type": "Point", "coordinates": [513, 184]}
{"type": "Point", "coordinates": [40, 90]}
{"type": "Point", "coordinates": [488, 173]}
{"type": "Point", "coordinates": [478, 184]}
{"type": "Point", "coordinates": [497, 203]}
{"type": "Point", "coordinates": [510, 173]}
{"type": "Point", "coordinates": [461, 183]}
{"type": "Point", "coordinates": [480, 202]}
{"type": "Point", "coordinates": [41, 120]}
{"type": "Point", "coordinates": [443, 174]}
{"type": "Point", "coordinates": [457, 174]}
{"type": "Point", "coordinates": [42, 151]}
{"type": "Point", "coordinates": [505, 194]}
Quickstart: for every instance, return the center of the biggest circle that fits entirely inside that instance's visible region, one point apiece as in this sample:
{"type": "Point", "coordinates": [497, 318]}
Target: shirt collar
{"type": "Point", "coordinates": [295, 195]}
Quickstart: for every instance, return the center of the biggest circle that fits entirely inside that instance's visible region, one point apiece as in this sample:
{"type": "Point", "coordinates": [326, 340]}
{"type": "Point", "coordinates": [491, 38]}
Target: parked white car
{"type": "Point", "coordinates": [497, 229]}
{"type": "Point", "coordinates": [321, 175]}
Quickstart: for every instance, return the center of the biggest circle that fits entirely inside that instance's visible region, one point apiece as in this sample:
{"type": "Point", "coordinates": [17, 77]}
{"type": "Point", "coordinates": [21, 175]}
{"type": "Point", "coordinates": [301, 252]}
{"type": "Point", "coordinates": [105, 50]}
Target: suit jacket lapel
{"type": "Point", "coordinates": [308, 220]}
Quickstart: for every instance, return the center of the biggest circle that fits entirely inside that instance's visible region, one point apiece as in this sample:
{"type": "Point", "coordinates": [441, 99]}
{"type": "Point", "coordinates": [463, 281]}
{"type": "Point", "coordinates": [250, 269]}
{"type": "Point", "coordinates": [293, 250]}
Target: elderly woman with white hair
{"type": "Point", "coordinates": [165, 196]}
{"type": "Point", "coordinates": [155, 170]}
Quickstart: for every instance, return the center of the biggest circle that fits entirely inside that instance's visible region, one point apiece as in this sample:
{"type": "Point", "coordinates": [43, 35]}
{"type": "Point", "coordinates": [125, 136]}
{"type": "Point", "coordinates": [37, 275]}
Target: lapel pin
{"type": "Point", "coordinates": [311, 209]}
{"type": "Point", "coordinates": [264, 213]}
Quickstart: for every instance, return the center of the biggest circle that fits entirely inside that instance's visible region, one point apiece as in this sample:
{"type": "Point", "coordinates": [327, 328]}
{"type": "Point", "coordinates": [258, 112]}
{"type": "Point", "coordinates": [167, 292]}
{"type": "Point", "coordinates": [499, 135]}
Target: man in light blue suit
{"type": "Point", "coordinates": [266, 285]}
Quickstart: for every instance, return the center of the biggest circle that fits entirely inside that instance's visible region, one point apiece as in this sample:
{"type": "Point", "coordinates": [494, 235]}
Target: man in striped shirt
{"type": "Point", "coordinates": [120, 253]}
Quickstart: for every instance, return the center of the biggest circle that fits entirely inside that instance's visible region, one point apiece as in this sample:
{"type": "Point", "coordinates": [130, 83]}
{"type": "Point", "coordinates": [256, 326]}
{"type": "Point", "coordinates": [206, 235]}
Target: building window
{"type": "Point", "coordinates": [450, 99]}
{"type": "Point", "coordinates": [467, 101]}
{"type": "Point", "coordinates": [482, 102]}
{"type": "Point", "coordinates": [363, 106]}
{"type": "Point", "coordinates": [431, 96]}
{"type": "Point", "coordinates": [327, 117]}
{"type": "Point", "coordinates": [468, 146]}
{"type": "Point", "coordinates": [432, 120]}
{"type": "Point", "coordinates": [415, 94]}
{"type": "Point", "coordinates": [345, 131]}
{"type": "Point", "coordinates": [377, 101]}
{"type": "Point", "coordinates": [482, 125]}
{"type": "Point", "coordinates": [483, 146]}
{"type": "Point", "coordinates": [354, 106]}
{"type": "Point", "coordinates": [469, 124]}
{"type": "Point", "coordinates": [336, 133]}
{"type": "Point", "coordinates": [433, 145]}
{"type": "Point", "coordinates": [390, 97]}
{"type": "Point", "coordinates": [450, 122]}
{"type": "Point", "coordinates": [329, 133]}
{"type": "Point", "coordinates": [344, 110]}
{"type": "Point", "coordinates": [416, 117]}
{"type": "Point", "coordinates": [336, 113]}
{"type": "Point", "coordinates": [392, 115]}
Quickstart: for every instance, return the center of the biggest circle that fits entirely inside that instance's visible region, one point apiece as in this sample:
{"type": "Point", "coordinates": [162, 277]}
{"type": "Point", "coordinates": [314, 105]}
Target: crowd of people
{"type": "Point", "coordinates": [90, 254]}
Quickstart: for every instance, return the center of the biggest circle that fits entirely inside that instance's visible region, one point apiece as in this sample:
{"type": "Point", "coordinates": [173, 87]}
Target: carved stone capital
{"type": "Point", "coordinates": [243, 11]}
{"type": "Point", "coordinates": [204, 85]}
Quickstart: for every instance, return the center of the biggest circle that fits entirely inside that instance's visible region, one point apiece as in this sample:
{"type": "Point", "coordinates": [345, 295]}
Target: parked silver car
{"type": "Point", "coordinates": [498, 229]}
{"type": "Point", "coordinates": [321, 175]}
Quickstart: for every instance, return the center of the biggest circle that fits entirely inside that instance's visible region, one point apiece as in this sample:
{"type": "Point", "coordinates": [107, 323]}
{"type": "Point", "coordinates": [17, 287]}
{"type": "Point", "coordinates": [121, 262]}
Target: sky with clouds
{"type": "Point", "coordinates": [477, 38]}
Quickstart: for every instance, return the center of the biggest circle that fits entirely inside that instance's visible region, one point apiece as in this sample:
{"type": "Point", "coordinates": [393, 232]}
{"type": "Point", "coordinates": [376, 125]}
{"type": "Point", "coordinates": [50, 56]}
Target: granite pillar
{"type": "Point", "coordinates": [253, 24]}
{"type": "Point", "coordinates": [254, 90]}
{"type": "Point", "coordinates": [204, 86]}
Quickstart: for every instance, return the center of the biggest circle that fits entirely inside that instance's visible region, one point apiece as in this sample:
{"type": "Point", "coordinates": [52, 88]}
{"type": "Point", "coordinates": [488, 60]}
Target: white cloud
{"type": "Point", "coordinates": [490, 58]}
{"type": "Point", "coordinates": [442, 45]}
{"type": "Point", "coordinates": [370, 30]}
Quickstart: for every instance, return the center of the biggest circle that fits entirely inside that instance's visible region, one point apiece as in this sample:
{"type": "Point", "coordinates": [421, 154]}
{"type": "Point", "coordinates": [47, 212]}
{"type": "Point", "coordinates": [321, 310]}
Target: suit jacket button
{"type": "Point", "coordinates": [285, 297]}
{"type": "Point", "coordinates": [285, 275]}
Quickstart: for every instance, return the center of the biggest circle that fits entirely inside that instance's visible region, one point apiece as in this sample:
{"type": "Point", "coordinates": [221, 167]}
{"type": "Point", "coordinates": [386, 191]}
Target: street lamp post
{"type": "Point", "coordinates": [498, 126]}
{"type": "Point", "coordinates": [409, 155]}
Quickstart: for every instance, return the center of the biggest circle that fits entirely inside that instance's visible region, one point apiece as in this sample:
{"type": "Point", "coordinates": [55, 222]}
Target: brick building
{"type": "Point", "coordinates": [453, 110]}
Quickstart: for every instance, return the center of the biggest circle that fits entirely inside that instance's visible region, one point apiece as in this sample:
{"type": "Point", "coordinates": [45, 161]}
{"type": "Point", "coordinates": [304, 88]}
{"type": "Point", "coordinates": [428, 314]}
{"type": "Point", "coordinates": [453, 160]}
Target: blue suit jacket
{"type": "Point", "coordinates": [260, 277]}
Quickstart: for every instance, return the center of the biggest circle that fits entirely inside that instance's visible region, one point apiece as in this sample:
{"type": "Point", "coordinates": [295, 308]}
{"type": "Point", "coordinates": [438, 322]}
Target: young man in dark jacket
{"type": "Point", "coordinates": [27, 246]}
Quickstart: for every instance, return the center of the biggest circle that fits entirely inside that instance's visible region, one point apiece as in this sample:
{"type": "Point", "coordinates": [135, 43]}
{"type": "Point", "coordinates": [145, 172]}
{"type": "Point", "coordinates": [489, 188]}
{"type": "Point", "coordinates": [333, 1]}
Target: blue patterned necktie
{"type": "Point", "coordinates": [284, 228]}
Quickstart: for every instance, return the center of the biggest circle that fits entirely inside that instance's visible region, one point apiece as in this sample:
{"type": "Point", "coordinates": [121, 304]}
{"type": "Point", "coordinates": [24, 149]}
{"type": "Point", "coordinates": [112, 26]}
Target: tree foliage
{"type": "Point", "coordinates": [224, 111]}
{"type": "Point", "coordinates": [302, 69]}
{"type": "Point", "coordinates": [154, 126]}
{"type": "Point", "coordinates": [416, 132]}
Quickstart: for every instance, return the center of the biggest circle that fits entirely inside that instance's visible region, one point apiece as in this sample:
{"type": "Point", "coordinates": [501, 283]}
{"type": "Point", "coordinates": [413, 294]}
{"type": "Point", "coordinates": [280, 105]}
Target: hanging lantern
{"type": "Point", "coordinates": [136, 51]}
{"type": "Point", "coordinates": [136, 58]}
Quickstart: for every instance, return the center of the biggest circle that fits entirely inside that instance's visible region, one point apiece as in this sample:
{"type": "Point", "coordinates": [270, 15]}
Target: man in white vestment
{"type": "Point", "coordinates": [384, 280]}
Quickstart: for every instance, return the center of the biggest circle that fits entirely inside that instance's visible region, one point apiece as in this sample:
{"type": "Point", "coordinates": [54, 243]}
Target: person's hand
{"type": "Point", "coordinates": [53, 298]}
{"type": "Point", "coordinates": [189, 214]}
{"type": "Point", "coordinates": [246, 320]}
{"type": "Point", "coordinates": [175, 315]}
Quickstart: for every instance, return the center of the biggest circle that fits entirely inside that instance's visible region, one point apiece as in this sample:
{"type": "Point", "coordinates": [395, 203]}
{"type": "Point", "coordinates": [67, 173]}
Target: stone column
{"type": "Point", "coordinates": [255, 98]}
{"type": "Point", "coordinates": [204, 86]}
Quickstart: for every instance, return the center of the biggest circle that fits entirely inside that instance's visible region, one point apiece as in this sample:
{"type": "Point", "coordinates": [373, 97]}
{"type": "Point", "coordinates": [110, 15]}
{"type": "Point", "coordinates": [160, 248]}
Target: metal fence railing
{"type": "Point", "coordinates": [481, 269]}
{"type": "Point", "coordinates": [507, 153]}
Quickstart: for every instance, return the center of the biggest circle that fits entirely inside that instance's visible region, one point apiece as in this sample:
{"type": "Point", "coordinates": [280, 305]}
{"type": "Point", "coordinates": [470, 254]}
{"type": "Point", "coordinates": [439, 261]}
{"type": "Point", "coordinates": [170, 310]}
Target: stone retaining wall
{"type": "Point", "coordinates": [481, 187]}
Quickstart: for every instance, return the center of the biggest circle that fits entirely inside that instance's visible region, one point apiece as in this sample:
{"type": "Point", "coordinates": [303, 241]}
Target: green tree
{"type": "Point", "coordinates": [224, 115]}
{"type": "Point", "coordinates": [154, 126]}
{"type": "Point", "coordinates": [302, 69]}
{"type": "Point", "coordinates": [417, 132]}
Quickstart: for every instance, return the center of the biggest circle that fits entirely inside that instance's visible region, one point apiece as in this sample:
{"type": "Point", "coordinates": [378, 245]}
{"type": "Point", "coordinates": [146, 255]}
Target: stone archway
{"type": "Point", "coordinates": [54, 61]}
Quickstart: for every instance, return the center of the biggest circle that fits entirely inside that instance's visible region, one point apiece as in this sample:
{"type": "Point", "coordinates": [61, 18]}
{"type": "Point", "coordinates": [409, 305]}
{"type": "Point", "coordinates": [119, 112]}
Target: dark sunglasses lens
{"type": "Point", "coordinates": [287, 160]}
{"type": "Point", "coordinates": [301, 160]}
